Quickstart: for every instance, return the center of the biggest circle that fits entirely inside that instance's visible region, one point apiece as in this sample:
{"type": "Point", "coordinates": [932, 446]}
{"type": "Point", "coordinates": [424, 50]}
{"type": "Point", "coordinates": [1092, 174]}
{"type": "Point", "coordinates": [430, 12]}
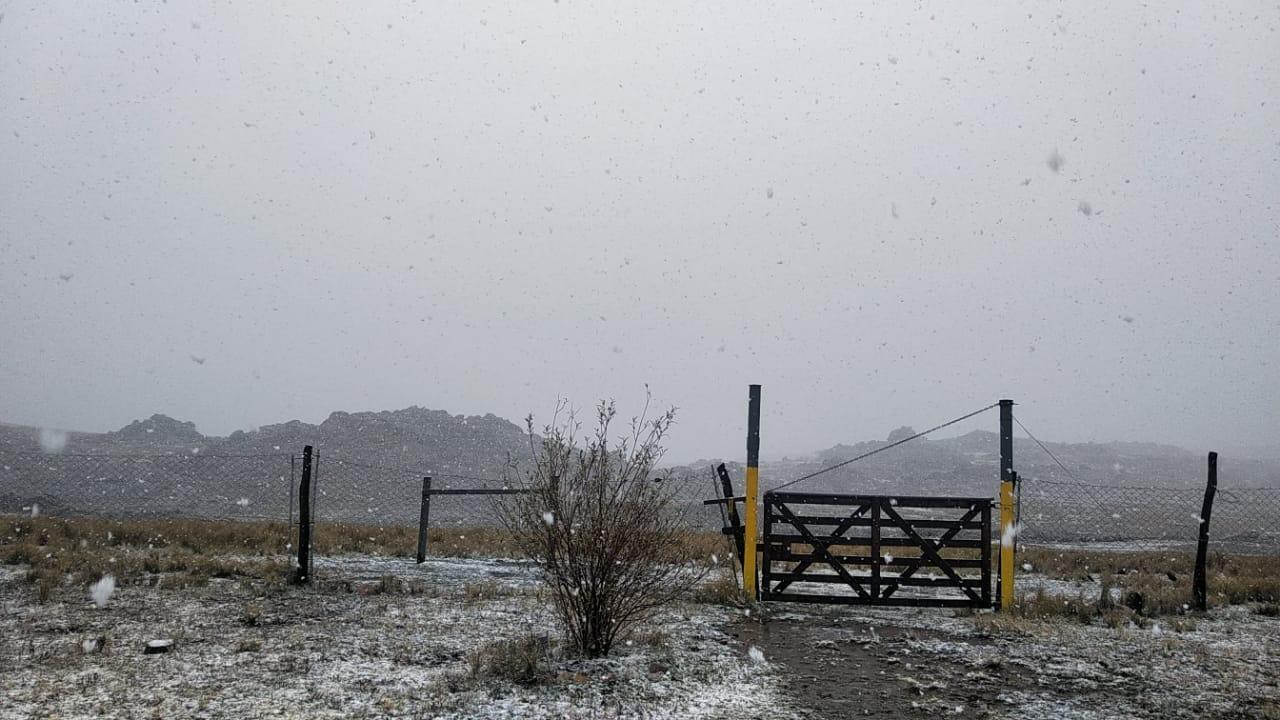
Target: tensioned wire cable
{"type": "Point", "coordinates": [1065, 469]}
{"type": "Point", "coordinates": [1045, 449]}
{"type": "Point", "coordinates": [865, 455]}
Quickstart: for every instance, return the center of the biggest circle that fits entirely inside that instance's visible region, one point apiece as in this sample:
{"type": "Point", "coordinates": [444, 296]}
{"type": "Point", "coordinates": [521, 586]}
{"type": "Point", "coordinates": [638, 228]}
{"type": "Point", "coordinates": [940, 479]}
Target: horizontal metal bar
{"type": "Point", "coordinates": [868, 522]}
{"type": "Point", "coordinates": [827, 578]}
{"type": "Point", "coordinates": [724, 501]}
{"type": "Point", "coordinates": [476, 491]}
{"type": "Point", "coordinates": [779, 555]}
{"type": "Point", "coordinates": [893, 601]}
{"type": "Point", "coordinates": [828, 541]}
{"type": "Point", "coordinates": [919, 501]}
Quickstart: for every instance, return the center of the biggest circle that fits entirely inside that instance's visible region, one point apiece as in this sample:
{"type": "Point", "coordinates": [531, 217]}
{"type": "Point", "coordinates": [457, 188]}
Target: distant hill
{"type": "Point", "coordinates": [971, 461]}
{"type": "Point", "coordinates": [419, 438]}
{"type": "Point", "coordinates": [370, 466]}
{"type": "Point", "coordinates": [969, 465]}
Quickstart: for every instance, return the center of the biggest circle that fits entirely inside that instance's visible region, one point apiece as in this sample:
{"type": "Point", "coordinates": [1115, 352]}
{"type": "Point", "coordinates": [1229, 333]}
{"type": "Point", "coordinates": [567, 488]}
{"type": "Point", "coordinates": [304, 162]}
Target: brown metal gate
{"type": "Point", "coordinates": [877, 550]}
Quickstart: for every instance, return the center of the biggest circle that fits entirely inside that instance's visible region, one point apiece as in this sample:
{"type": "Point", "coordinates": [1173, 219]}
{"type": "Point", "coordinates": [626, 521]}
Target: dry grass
{"type": "Point", "coordinates": [73, 552]}
{"type": "Point", "coordinates": [1075, 564]}
{"type": "Point", "coordinates": [722, 588]}
{"type": "Point", "coordinates": [524, 661]}
{"type": "Point", "coordinates": [399, 541]}
{"type": "Point", "coordinates": [182, 553]}
{"type": "Point", "coordinates": [1147, 584]}
{"type": "Point", "coordinates": [1042, 605]}
{"type": "Point", "coordinates": [1164, 577]}
{"type": "Point", "coordinates": [1267, 609]}
{"type": "Point", "coordinates": [80, 551]}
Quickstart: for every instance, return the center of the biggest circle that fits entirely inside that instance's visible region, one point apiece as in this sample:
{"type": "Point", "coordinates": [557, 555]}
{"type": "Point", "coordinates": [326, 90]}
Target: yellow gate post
{"type": "Point", "coordinates": [1007, 530]}
{"type": "Point", "coordinates": [752, 495]}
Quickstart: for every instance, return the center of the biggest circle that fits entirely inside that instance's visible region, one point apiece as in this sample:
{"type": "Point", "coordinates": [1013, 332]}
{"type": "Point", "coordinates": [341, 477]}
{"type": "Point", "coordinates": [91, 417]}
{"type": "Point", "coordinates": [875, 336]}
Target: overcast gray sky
{"type": "Point", "coordinates": [244, 213]}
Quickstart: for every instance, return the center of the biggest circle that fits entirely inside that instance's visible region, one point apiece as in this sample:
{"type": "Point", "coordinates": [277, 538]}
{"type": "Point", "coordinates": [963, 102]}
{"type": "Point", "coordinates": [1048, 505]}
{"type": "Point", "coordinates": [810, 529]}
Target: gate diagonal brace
{"type": "Point", "coordinates": [841, 529]}
{"type": "Point", "coordinates": [911, 569]}
{"type": "Point", "coordinates": [927, 547]}
{"type": "Point", "coordinates": [820, 548]}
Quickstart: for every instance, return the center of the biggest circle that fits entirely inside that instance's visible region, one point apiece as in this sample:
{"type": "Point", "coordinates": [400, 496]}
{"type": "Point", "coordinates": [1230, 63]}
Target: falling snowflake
{"type": "Point", "coordinates": [52, 441]}
{"type": "Point", "coordinates": [101, 591]}
{"type": "Point", "coordinates": [1055, 161]}
{"type": "Point", "coordinates": [1010, 533]}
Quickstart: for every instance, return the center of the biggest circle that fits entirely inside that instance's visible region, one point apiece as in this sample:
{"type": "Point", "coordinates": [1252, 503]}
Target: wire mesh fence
{"type": "Point", "coordinates": [1243, 520]}
{"type": "Point", "coordinates": [353, 492]}
{"type": "Point", "coordinates": [196, 486]}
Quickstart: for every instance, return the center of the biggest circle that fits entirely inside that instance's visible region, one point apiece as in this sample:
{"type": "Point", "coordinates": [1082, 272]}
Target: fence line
{"type": "Point", "coordinates": [1245, 520]}
{"type": "Point", "coordinates": [198, 486]}
{"type": "Point", "coordinates": [261, 487]}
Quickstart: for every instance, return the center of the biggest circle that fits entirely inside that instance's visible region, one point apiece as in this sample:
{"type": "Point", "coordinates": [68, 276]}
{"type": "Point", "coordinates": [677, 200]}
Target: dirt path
{"type": "Point", "coordinates": [840, 665]}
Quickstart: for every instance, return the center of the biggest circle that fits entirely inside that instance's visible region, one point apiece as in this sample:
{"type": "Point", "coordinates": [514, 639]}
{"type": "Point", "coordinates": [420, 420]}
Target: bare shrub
{"type": "Point", "coordinates": [612, 539]}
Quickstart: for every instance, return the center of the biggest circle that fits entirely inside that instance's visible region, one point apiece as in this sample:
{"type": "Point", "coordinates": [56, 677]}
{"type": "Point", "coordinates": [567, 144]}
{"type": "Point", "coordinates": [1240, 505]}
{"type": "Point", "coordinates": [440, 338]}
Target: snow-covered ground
{"type": "Point", "coordinates": [348, 649]}
{"type": "Point", "coordinates": [382, 637]}
{"type": "Point", "coordinates": [933, 663]}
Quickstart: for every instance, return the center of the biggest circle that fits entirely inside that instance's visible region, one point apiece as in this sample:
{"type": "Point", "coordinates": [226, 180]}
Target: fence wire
{"type": "Point", "coordinates": [350, 491]}
{"type": "Point", "coordinates": [1243, 520]}
{"type": "Point", "coordinates": [347, 491]}
{"type": "Point", "coordinates": [197, 486]}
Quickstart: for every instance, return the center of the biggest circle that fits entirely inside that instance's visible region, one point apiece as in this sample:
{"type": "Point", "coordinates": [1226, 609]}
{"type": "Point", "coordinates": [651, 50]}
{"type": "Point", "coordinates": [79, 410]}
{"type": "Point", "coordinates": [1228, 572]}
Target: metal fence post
{"type": "Point", "coordinates": [424, 519]}
{"type": "Point", "coordinates": [735, 524]}
{"type": "Point", "coordinates": [304, 519]}
{"type": "Point", "coordinates": [292, 474]}
{"type": "Point", "coordinates": [315, 499]}
{"type": "Point", "coordinates": [986, 557]}
{"type": "Point", "coordinates": [1007, 529]}
{"type": "Point", "coordinates": [749, 571]}
{"type": "Point", "coordinates": [1200, 589]}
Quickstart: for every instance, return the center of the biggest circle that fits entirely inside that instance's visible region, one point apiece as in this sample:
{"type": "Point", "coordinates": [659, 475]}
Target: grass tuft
{"type": "Point", "coordinates": [523, 660]}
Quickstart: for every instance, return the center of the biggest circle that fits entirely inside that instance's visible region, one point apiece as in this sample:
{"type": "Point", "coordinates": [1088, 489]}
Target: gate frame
{"type": "Point", "coordinates": [873, 589]}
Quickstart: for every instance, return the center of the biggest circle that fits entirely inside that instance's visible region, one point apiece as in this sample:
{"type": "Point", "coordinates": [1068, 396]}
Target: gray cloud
{"type": "Point", "coordinates": [244, 215]}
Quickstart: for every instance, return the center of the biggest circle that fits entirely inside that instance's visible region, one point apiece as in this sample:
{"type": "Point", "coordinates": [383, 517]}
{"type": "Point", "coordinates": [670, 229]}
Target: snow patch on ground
{"type": "Point", "coordinates": [346, 649]}
{"type": "Point", "coordinates": [1227, 665]}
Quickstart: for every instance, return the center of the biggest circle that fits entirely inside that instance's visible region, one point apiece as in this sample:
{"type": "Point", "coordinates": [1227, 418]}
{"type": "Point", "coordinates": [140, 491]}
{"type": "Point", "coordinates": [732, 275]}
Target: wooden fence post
{"type": "Point", "coordinates": [304, 519]}
{"type": "Point", "coordinates": [1200, 589]}
{"type": "Point", "coordinates": [424, 519]}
